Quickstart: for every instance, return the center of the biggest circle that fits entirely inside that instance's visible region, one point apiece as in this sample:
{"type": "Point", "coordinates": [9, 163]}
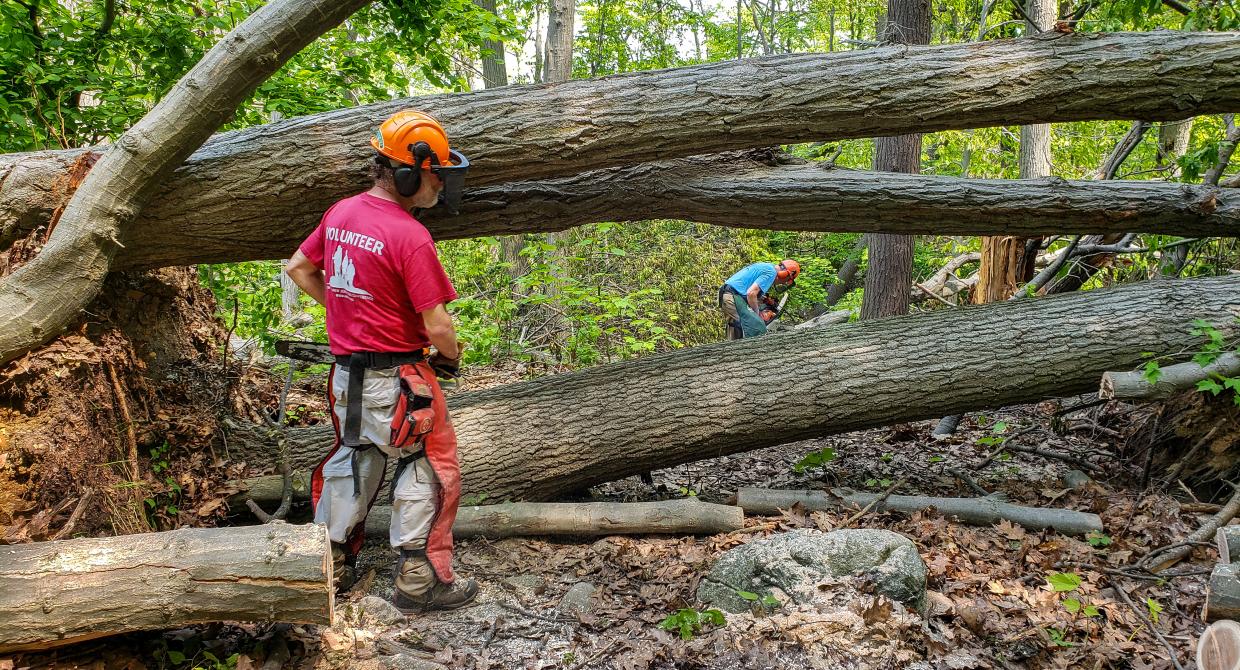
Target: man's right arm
{"type": "Point", "coordinates": [307, 276]}
{"type": "Point", "coordinates": [441, 331]}
{"type": "Point", "coordinates": [751, 297]}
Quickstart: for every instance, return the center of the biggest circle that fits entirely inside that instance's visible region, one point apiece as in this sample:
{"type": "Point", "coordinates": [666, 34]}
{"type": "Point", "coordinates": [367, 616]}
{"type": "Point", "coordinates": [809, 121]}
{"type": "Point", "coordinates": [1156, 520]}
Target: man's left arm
{"type": "Point", "coordinates": [307, 276]}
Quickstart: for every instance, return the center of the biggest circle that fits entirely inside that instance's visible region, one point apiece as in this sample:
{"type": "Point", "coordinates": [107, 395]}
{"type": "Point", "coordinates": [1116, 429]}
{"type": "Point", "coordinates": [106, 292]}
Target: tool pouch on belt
{"type": "Point", "coordinates": [414, 416]}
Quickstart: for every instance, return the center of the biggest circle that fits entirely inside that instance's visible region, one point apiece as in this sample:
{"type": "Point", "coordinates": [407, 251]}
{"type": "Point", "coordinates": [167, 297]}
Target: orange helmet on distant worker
{"type": "Point", "coordinates": [402, 131]}
{"type": "Point", "coordinates": [411, 141]}
{"type": "Point", "coordinates": [787, 270]}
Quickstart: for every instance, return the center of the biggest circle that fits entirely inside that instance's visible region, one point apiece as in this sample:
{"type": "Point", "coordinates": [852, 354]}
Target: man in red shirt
{"type": "Point", "coordinates": [375, 268]}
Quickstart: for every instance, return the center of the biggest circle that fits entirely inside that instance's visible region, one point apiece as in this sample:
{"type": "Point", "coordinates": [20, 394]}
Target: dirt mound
{"type": "Point", "coordinates": [109, 427]}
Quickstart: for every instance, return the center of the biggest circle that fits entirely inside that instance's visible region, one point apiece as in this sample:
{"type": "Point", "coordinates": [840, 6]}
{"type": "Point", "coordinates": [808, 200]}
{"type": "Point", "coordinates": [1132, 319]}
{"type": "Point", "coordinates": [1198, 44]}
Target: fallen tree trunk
{"type": "Point", "coordinates": [677, 517]}
{"type": "Point", "coordinates": [239, 183]}
{"type": "Point", "coordinates": [1171, 380]}
{"type": "Point", "coordinates": [978, 511]}
{"type": "Point", "coordinates": [544, 438]}
{"type": "Point", "coordinates": [54, 593]}
{"type": "Point", "coordinates": [787, 197]}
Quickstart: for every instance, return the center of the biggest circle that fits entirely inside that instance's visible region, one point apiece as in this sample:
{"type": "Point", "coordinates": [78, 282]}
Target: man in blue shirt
{"type": "Point", "coordinates": [745, 317]}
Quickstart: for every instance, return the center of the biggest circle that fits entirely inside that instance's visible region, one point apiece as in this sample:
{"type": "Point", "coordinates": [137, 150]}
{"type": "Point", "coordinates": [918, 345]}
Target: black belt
{"type": "Point", "coordinates": [357, 363]}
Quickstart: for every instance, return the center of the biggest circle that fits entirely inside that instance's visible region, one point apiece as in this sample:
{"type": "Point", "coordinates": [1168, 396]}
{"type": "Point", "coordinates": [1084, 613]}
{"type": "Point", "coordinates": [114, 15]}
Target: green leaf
{"type": "Point", "coordinates": [1096, 539]}
{"type": "Point", "coordinates": [1209, 385]}
{"type": "Point", "coordinates": [1154, 608]}
{"type": "Point", "coordinates": [937, 459]}
{"type": "Point", "coordinates": [1064, 581]}
{"type": "Point", "coordinates": [1091, 610]}
{"type": "Point", "coordinates": [747, 595]}
{"type": "Point", "coordinates": [1152, 372]}
{"type": "Point", "coordinates": [1072, 605]}
{"type": "Point", "coordinates": [715, 616]}
{"type": "Point", "coordinates": [999, 427]}
{"type": "Point", "coordinates": [771, 601]}
{"type": "Point", "coordinates": [175, 657]}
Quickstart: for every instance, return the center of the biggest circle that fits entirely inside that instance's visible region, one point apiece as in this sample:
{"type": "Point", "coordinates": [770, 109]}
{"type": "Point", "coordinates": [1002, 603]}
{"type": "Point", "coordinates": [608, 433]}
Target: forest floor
{"type": "Point", "coordinates": [990, 602]}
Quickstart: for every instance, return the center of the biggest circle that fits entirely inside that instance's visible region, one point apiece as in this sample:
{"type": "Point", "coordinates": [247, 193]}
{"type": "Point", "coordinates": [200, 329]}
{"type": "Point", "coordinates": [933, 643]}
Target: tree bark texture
{"type": "Point", "coordinates": [54, 593]}
{"type": "Point", "coordinates": [240, 182]}
{"type": "Point", "coordinates": [978, 511]}
{"type": "Point", "coordinates": [890, 270]}
{"type": "Point", "coordinates": [540, 439]}
{"type": "Point", "coordinates": [560, 21]}
{"type": "Point", "coordinates": [708, 190]}
{"type": "Point", "coordinates": [43, 297]}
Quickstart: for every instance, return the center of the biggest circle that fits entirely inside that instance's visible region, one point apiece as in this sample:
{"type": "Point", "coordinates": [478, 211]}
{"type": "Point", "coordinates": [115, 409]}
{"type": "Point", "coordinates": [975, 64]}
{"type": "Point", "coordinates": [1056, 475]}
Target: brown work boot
{"type": "Point", "coordinates": [439, 597]}
{"type": "Point", "coordinates": [418, 590]}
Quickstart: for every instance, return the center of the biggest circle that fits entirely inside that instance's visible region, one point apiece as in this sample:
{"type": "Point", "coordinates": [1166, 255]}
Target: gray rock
{"type": "Point", "coordinates": [577, 599]}
{"type": "Point", "coordinates": [524, 583]}
{"type": "Point", "coordinates": [798, 561]}
{"type": "Point", "coordinates": [1075, 479]}
{"type": "Point", "coordinates": [380, 610]}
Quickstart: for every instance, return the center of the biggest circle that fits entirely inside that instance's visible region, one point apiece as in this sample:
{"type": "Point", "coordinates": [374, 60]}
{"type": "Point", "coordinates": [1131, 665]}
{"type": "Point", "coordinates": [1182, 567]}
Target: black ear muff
{"type": "Point", "coordinates": [407, 180]}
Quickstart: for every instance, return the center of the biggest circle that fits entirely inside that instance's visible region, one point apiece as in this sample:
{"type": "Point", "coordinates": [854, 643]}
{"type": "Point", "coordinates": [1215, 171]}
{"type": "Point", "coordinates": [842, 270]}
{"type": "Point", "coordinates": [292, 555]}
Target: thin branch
{"type": "Point", "coordinates": [1225, 150]}
{"type": "Point", "coordinates": [866, 510]}
{"type": "Point", "coordinates": [1020, 11]}
{"type": "Point", "coordinates": [1171, 652]}
{"type": "Point", "coordinates": [1047, 273]}
{"type": "Point", "coordinates": [1178, 6]}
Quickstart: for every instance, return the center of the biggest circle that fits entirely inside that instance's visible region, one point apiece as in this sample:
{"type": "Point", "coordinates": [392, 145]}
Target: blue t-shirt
{"type": "Point", "coordinates": [762, 274]}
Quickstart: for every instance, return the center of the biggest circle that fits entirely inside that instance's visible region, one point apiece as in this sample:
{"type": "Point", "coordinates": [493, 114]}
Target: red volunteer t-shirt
{"type": "Point", "coordinates": [381, 270]}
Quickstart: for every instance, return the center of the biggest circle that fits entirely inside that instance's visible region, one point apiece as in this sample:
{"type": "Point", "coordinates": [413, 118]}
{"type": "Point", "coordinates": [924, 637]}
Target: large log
{"type": "Point", "coordinates": [544, 438]}
{"type": "Point", "coordinates": [785, 197]}
{"type": "Point", "coordinates": [239, 183]}
{"type": "Point", "coordinates": [978, 511]}
{"type": "Point", "coordinates": [54, 593]}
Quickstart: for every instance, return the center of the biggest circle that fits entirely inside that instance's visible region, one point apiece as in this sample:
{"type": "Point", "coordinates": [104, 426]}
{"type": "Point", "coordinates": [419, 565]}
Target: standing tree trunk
{"type": "Point", "coordinates": [494, 69]}
{"type": "Point", "coordinates": [890, 272]}
{"type": "Point", "coordinates": [559, 59]}
{"type": "Point", "coordinates": [1173, 137]}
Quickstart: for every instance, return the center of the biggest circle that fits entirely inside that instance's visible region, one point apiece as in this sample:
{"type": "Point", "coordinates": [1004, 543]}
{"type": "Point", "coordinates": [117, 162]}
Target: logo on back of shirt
{"type": "Point", "coordinates": [344, 275]}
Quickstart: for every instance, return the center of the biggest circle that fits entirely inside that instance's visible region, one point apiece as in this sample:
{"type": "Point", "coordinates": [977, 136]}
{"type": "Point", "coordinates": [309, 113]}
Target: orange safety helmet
{"type": "Point", "coordinates": [397, 136]}
{"type": "Point", "coordinates": [411, 141]}
{"type": "Point", "coordinates": [788, 270]}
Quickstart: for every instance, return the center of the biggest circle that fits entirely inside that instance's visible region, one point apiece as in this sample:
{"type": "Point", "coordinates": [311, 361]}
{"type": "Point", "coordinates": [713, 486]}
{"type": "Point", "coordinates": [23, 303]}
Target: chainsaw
{"type": "Point", "coordinates": [771, 309]}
